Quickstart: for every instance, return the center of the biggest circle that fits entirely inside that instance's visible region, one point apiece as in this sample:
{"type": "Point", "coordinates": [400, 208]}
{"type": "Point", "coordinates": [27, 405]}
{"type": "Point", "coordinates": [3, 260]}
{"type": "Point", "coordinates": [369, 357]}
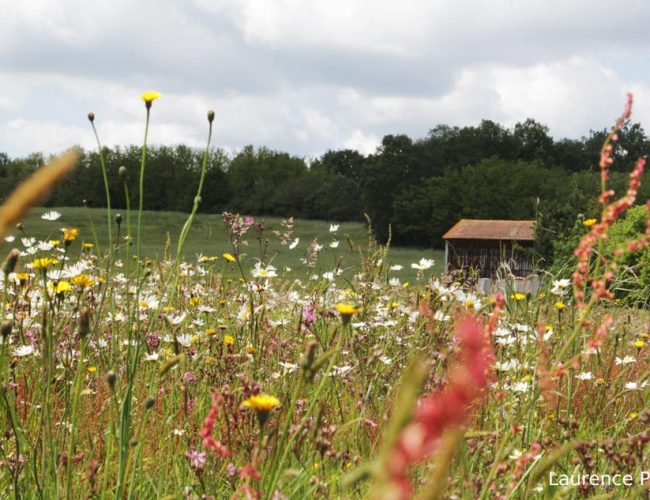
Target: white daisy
{"type": "Point", "coordinates": [264, 271]}
{"type": "Point", "coordinates": [423, 265]}
{"type": "Point", "coordinates": [24, 350]}
{"type": "Point", "coordinates": [520, 387]}
{"type": "Point", "coordinates": [51, 215]}
{"type": "Point", "coordinates": [625, 361]}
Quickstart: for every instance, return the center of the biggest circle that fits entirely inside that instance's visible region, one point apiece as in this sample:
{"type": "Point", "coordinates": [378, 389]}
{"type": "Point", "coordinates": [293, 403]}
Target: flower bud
{"type": "Point", "coordinates": [91, 117]}
{"type": "Point", "coordinates": [149, 403]}
{"type": "Point", "coordinates": [84, 322]}
{"type": "Point", "coordinates": [111, 378]}
{"type": "Point", "coordinates": [118, 219]}
{"type": "Point", "coordinates": [122, 171]}
{"type": "Point", "coordinates": [19, 226]}
{"type": "Point", "coordinates": [5, 330]}
{"type": "Point", "coordinates": [210, 116]}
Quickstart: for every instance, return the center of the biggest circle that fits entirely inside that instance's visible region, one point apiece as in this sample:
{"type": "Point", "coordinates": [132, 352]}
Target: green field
{"type": "Point", "coordinates": [208, 237]}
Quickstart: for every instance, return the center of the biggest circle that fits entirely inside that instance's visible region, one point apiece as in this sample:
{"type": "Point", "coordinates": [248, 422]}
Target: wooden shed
{"type": "Point", "coordinates": [484, 244]}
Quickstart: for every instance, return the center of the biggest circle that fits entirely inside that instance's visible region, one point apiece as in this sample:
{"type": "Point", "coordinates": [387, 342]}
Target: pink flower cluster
{"type": "Point", "coordinates": [611, 212]}
{"type": "Point", "coordinates": [206, 432]}
{"type": "Point", "coordinates": [438, 412]}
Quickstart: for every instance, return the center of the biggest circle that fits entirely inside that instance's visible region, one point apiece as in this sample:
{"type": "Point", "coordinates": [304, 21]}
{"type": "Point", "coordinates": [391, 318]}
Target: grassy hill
{"type": "Point", "coordinates": [208, 236]}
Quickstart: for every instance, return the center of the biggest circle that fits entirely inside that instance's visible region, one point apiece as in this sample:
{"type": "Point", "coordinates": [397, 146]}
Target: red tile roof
{"type": "Point", "coordinates": [473, 229]}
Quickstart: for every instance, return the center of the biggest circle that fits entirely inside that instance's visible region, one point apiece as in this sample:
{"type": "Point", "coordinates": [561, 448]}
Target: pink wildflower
{"type": "Point", "coordinates": [206, 432]}
{"type": "Point", "coordinates": [440, 411]}
{"type": "Point", "coordinates": [196, 458]}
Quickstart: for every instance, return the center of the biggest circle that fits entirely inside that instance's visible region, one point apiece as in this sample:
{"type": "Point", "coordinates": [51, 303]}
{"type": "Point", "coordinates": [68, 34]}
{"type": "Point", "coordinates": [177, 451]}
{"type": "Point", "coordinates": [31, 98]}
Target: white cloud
{"type": "Point", "coordinates": [307, 76]}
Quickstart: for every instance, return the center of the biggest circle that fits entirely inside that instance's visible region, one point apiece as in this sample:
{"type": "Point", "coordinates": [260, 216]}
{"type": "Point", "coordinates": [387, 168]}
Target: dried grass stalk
{"type": "Point", "coordinates": [33, 190]}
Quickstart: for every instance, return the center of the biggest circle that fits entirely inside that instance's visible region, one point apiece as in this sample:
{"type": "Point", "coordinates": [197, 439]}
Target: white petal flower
{"type": "Point", "coordinates": [45, 246]}
{"type": "Point", "coordinates": [520, 387]}
{"type": "Point", "coordinates": [334, 244]}
{"type": "Point", "coordinates": [51, 215]}
{"type": "Point", "coordinates": [334, 228]}
{"type": "Point", "coordinates": [264, 271]}
{"type": "Point", "coordinates": [294, 244]}
{"type": "Point", "coordinates": [396, 267]}
{"type": "Point", "coordinates": [28, 242]}
{"type": "Point", "coordinates": [440, 316]}
{"type": "Point", "coordinates": [584, 376]}
{"type": "Point", "coordinates": [24, 350]}
{"type": "Point", "coordinates": [423, 265]}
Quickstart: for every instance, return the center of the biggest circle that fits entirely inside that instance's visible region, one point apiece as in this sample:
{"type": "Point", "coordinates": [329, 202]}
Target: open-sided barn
{"type": "Point", "coordinates": [482, 245]}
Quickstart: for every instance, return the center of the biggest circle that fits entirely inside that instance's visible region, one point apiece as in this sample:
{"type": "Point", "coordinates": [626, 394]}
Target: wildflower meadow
{"type": "Point", "coordinates": [224, 375]}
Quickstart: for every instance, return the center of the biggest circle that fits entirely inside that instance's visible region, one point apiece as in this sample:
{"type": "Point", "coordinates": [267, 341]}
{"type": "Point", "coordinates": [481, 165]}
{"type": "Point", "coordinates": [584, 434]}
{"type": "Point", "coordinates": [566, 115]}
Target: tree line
{"type": "Point", "coordinates": [417, 188]}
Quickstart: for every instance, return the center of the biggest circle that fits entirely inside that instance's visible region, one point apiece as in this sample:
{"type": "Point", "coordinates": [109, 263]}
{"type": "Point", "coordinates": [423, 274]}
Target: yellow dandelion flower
{"type": "Point", "coordinates": [91, 369]}
{"type": "Point", "coordinates": [55, 243]}
{"type": "Point", "coordinates": [261, 403]}
{"type": "Point", "coordinates": [44, 263]}
{"type": "Point", "coordinates": [22, 277]}
{"type": "Point", "coordinates": [194, 301]}
{"type": "Point", "coordinates": [228, 340]}
{"type": "Point", "coordinates": [62, 287]}
{"type": "Point", "coordinates": [229, 257]}
{"type": "Point", "coordinates": [559, 305]}
{"type": "Point", "coordinates": [70, 234]}
{"type": "Point", "coordinates": [589, 222]}
{"type": "Point", "coordinates": [83, 281]}
{"type": "Point", "coordinates": [518, 296]}
{"type": "Point", "coordinates": [250, 349]}
{"type": "Point", "coordinates": [88, 246]}
{"type": "Point", "coordinates": [639, 344]}
{"type": "Point", "coordinates": [347, 309]}
{"type": "Point", "coordinates": [150, 96]}
{"type": "Point", "coordinates": [210, 332]}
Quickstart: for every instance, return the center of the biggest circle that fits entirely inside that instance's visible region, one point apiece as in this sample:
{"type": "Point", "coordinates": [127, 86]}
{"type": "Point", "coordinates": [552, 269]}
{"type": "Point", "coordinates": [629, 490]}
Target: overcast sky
{"type": "Point", "coordinates": [305, 76]}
